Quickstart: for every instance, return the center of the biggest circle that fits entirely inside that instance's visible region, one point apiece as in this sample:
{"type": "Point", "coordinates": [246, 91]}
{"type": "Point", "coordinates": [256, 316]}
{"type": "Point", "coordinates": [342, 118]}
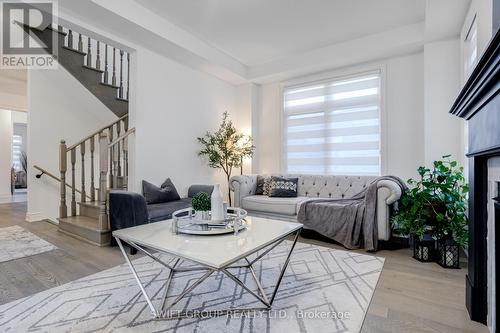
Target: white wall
{"type": "Point", "coordinates": [404, 106]}
{"type": "Point", "coordinates": [246, 108]}
{"type": "Point", "coordinates": [13, 101]}
{"type": "Point", "coordinates": [268, 130]}
{"type": "Point", "coordinates": [13, 89]}
{"type": "Point", "coordinates": [59, 108]}
{"type": "Point", "coordinates": [19, 117]}
{"type": "Point", "coordinates": [403, 109]}
{"type": "Point", "coordinates": [173, 105]}
{"type": "Point", "coordinates": [441, 86]}
{"type": "Point", "coordinates": [5, 152]}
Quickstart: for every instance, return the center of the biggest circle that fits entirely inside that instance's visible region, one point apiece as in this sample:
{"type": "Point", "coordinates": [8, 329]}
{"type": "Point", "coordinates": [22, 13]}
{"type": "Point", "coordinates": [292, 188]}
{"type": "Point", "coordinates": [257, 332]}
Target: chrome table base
{"type": "Point", "coordinates": [174, 266]}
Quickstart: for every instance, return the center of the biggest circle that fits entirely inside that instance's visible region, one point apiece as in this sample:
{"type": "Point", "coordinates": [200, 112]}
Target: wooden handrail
{"type": "Point", "coordinates": [56, 178]}
{"type": "Point", "coordinates": [97, 132]}
{"type": "Point", "coordinates": [121, 137]}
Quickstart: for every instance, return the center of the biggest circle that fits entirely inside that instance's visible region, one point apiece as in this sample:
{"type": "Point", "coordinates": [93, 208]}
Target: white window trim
{"type": "Point", "coordinates": [340, 74]}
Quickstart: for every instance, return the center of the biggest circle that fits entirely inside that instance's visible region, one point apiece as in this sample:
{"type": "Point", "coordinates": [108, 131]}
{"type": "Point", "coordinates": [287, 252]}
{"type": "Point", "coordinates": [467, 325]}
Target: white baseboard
{"type": "Point", "coordinates": [34, 217]}
{"type": "Point", "coordinates": [6, 196]}
{"type": "Point", "coordinates": [38, 217]}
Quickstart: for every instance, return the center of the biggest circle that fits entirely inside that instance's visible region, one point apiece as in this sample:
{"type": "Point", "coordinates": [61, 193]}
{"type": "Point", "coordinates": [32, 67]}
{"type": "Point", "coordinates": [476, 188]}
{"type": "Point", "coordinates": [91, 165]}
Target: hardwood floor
{"type": "Point", "coordinates": [73, 258]}
{"type": "Point", "coordinates": [410, 296]}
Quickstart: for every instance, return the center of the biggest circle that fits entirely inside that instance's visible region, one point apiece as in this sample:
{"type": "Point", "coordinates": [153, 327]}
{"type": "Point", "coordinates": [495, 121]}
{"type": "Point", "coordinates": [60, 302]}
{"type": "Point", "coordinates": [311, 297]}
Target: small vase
{"type": "Point", "coordinates": [217, 203]}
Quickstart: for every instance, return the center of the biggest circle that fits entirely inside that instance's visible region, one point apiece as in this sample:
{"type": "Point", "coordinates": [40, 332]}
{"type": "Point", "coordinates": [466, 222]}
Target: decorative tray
{"type": "Point", "coordinates": [186, 221]}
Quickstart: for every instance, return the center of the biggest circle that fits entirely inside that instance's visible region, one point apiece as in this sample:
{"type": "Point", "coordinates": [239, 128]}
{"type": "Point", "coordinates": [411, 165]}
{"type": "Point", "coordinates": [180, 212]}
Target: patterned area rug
{"type": "Point", "coordinates": [323, 290]}
{"type": "Point", "coordinates": [17, 242]}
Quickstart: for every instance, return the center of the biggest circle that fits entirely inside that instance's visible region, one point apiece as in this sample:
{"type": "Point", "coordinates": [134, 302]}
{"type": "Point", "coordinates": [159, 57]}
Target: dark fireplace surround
{"type": "Point", "coordinates": [479, 104]}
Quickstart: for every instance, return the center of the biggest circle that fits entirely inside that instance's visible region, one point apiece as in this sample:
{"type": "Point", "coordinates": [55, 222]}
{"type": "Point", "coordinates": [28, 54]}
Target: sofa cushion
{"type": "Point", "coordinates": [285, 206]}
{"type": "Point", "coordinates": [163, 211]}
{"type": "Point", "coordinates": [259, 188]}
{"type": "Point", "coordinates": [267, 186]}
{"type": "Point", "coordinates": [154, 194]}
{"type": "Point", "coordinates": [282, 187]}
{"type": "Point", "coordinates": [170, 188]}
{"type": "Point", "coordinates": [194, 189]}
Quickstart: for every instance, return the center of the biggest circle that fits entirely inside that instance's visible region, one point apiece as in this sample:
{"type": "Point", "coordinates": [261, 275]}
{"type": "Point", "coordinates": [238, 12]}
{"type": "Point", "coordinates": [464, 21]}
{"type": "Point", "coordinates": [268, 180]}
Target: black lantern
{"type": "Point", "coordinates": [448, 253]}
{"type": "Point", "coordinates": [424, 249]}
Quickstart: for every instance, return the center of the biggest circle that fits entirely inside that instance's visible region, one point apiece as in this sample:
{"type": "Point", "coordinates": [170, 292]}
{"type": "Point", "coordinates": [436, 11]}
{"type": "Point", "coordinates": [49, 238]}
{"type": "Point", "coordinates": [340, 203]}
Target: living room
{"type": "Point", "coordinates": [298, 123]}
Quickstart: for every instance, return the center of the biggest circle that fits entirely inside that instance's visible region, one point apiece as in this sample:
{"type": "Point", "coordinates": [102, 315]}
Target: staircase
{"type": "Point", "coordinates": [103, 69]}
{"type": "Point", "coordinates": [99, 162]}
{"type": "Point", "coordinates": [104, 151]}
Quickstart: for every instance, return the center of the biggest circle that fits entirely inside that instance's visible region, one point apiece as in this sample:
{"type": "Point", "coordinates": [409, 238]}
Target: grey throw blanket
{"type": "Point", "coordinates": [351, 222]}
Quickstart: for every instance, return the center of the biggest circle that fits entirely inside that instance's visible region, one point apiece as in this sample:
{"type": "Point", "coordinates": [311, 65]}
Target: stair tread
{"type": "Point", "coordinates": [50, 28]}
{"type": "Point", "coordinates": [94, 69]}
{"type": "Point", "coordinates": [90, 203]}
{"type": "Point", "coordinates": [74, 50]}
{"type": "Point", "coordinates": [110, 85]}
{"type": "Point", "coordinates": [81, 221]}
{"type": "Point", "coordinates": [121, 99]}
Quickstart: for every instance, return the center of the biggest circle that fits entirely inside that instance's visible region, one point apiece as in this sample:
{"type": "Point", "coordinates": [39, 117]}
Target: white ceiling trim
{"type": "Point", "coordinates": [391, 43]}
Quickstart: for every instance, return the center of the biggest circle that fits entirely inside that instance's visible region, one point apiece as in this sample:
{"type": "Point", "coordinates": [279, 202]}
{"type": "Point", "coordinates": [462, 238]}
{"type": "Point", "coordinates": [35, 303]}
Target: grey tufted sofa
{"type": "Point", "coordinates": [314, 186]}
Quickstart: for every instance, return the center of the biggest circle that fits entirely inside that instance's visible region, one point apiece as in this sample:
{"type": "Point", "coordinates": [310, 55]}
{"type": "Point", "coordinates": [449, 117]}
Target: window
{"type": "Point", "coordinates": [470, 48]}
{"type": "Point", "coordinates": [333, 126]}
{"type": "Point", "coordinates": [17, 144]}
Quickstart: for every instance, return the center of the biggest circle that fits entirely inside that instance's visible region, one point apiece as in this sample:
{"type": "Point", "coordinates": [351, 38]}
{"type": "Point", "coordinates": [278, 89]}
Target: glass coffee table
{"type": "Point", "coordinates": [211, 254]}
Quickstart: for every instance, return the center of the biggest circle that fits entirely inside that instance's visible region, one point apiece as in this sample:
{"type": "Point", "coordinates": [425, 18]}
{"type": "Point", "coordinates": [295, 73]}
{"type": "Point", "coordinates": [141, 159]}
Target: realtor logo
{"type": "Point", "coordinates": [29, 34]}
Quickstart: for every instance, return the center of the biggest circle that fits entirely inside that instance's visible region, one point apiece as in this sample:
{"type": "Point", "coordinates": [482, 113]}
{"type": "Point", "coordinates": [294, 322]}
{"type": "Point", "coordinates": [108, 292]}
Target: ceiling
{"type": "Point", "coordinates": [258, 31]}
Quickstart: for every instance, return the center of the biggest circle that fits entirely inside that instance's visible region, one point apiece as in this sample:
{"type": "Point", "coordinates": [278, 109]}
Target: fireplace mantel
{"type": "Point", "coordinates": [479, 104]}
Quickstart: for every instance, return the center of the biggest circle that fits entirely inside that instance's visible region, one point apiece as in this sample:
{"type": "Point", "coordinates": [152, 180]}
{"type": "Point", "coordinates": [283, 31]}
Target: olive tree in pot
{"type": "Point", "coordinates": [435, 205]}
{"type": "Point", "coordinates": [226, 148]}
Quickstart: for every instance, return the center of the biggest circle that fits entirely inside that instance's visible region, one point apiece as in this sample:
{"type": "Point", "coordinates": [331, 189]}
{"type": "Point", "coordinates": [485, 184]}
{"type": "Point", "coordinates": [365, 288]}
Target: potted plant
{"type": "Point", "coordinates": [201, 203]}
{"type": "Point", "coordinates": [226, 148]}
{"type": "Point", "coordinates": [435, 205]}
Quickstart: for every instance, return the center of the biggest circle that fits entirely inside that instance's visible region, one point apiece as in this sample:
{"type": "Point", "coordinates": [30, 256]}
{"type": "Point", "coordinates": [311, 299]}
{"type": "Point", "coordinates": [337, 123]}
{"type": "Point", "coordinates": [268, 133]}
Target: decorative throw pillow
{"type": "Point", "coordinates": [282, 187]}
{"type": "Point", "coordinates": [169, 186]}
{"type": "Point", "coordinates": [267, 186]}
{"type": "Point", "coordinates": [154, 194]}
{"type": "Point", "coordinates": [259, 190]}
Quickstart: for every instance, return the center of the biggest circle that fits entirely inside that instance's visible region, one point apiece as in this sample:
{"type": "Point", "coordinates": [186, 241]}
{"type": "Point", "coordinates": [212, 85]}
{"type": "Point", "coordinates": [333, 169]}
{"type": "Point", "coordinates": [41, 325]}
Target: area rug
{"type": "Point", "coordinates": [323, 290]}
{"type": "Point", "coordinates": [17, 242]}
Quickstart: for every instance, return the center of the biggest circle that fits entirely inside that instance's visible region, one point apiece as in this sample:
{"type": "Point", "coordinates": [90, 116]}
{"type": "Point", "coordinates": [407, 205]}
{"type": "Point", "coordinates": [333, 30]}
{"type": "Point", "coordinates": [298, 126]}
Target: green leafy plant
{"type": "Point", "coordinates": [226, 147]}
{"type": "Point", "coordinates": [201, 202]}
{"type": "Point", "coordinates": [436, 204]}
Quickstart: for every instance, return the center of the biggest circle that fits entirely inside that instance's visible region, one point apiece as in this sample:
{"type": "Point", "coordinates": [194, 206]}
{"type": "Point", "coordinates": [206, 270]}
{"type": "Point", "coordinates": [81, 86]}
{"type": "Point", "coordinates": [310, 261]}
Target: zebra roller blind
{"type": "Point", "coordinates": [333, 126]}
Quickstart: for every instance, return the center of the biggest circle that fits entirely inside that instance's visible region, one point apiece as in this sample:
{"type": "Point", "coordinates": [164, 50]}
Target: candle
{"type": "Point", "coordinates": [425, 254]}
{"type": "Point", "coordinates": [449, 258]}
